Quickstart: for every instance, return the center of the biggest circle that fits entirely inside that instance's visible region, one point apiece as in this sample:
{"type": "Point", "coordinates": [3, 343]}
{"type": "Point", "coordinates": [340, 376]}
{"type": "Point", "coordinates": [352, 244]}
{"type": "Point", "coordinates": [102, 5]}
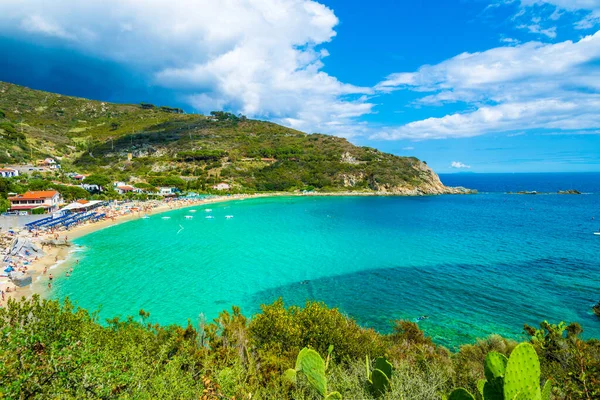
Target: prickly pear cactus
{"type": "Point", "coordinates": [333, 396]}
{"type": "Point", "coordinates": [313, 366]}
{"type": "Point", "coordinates": [380, 382]}
{"type": "Point", "coordinates": [380, 379]}
{"type": "Point", "coordinates": [495, 365]}
{"type": "Point", "coordinates": [495, 368]}
{"type": "Point", "coordinates": [461, 394]}
{"type": "Point", "coordinates": [522, 376]}
{"type": "Point", "coordinates": [384, 366]}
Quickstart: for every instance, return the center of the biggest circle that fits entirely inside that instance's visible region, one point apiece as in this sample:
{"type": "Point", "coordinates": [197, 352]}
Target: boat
{"type": "Point", "coordinates": [166, 217]}
{"type": "Point", "coordinates": [209, 217]}
{"type": "Point", "coordinates": [208, 210]}
{"type": "Point", "coordinates": [229, 216]}
{"type": "Point", "coordinates": [193, 211]}
{"type": "Point", "coordinates": [189, 216]}
{"type": "Point", "coordinates": [597, 233]}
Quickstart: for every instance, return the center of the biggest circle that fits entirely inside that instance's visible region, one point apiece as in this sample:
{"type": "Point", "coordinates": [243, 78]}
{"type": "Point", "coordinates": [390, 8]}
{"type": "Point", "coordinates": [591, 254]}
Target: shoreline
{"type": "Point", "coordinates": [56, 256]}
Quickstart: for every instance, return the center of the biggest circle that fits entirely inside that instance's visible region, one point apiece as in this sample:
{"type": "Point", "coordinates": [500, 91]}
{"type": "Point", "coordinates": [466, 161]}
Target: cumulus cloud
{"type": "Point", "coordinates": [263, 58]}
{"type": "Point", "coordinates": [529, 86]}
{"type": "Point", "coordinates": [459, 165]}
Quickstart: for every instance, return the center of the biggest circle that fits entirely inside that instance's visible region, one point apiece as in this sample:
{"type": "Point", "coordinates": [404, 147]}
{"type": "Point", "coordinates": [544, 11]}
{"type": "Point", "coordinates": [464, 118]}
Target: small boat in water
{"type": "Point", "coordinates": [229, 216]}
{"type": "Point", "coordinates": [209, 217]}
{"type": "Point", "coordinates": [166, 217]}
{"type": "Point", "coordinates": [193, 211]}
{"type": "Point", "coordinates": [189, 216]}
{"type": "Point", "coordinates": [597, 233]}
{"type": "Point", "coordinates": [208, 210]}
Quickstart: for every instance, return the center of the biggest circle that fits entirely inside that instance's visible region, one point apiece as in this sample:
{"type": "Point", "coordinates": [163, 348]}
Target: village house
{"type": "Point", "coordinates": [167, 191]}
{"type": "Point", "coordinates": [8, 172]}
{"type": "Point", "coordinates": [49, 200]}
{"type": "Point", "coordinates": [222, 186]}
{"type": "Point", "coordinates": [91, 188]}
{"type": "Point", "coordinates": [48, 163]}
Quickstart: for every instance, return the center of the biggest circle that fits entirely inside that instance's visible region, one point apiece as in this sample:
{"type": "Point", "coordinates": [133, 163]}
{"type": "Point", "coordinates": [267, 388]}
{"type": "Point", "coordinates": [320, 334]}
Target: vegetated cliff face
{"type": "Point", "coordinates": [144, 142]}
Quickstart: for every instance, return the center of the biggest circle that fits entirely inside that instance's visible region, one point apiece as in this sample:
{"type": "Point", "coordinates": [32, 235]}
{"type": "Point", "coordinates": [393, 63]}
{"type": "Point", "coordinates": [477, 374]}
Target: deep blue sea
{"type": "Point", "coordinates": [476, 264]}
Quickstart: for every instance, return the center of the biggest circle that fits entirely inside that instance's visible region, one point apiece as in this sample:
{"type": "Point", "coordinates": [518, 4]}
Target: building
{"type": "Point", "coordinates": [91, 188]}
{"type": "Point", "coordinates": [8, 172]}
{"type": "Point", "coordinates": [222, 186]}
{"type": "Point", "coordinates": [124, 189]}
{"type": "Point", "coordinates": [46, 199]}
{"type": "Point", "coordinates": [167, 191]}
{"type": "Point", "coordinates": [48, 163]}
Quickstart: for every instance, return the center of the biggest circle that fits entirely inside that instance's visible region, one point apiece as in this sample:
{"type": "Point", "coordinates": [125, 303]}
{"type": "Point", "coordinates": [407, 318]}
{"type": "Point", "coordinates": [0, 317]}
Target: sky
{"type": "Point", "coordinates": [466, 85]}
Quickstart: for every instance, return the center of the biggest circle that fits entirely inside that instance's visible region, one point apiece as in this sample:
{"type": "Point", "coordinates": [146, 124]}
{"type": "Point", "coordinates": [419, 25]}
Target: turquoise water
{"type": "Point", "coordinates": [475, 264]}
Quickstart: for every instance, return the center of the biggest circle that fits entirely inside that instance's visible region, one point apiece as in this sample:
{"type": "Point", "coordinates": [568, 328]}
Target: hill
{"type": "Point", "coordinates": [90, 136]}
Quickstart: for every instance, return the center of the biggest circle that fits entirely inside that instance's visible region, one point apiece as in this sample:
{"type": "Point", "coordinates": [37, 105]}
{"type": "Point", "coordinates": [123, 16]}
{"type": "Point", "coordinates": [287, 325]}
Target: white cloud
{"type": "Point", "coordinates": [529, 86]}
{"type": "Point", "coordinates": [259, 57]}
{"type": "Point", "coordinates": [459, 165]}
{"type": "Point", "coordinates": [408, 148]}
{"type": "Point", "coordinates": [590, 9]}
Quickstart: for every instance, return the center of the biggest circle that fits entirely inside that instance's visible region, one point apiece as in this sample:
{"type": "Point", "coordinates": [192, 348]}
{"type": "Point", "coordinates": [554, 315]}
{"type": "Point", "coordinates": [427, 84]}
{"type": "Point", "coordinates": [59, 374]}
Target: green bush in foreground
{"type": "Point", "coordinates": [53, 350]}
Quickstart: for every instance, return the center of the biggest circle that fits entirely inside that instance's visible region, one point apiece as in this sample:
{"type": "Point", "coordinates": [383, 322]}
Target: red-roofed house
{"type": "Point", "coordinates": [46, 199]}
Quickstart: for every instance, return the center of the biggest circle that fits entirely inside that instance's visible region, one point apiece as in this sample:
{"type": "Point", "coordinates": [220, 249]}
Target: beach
{"type": "Point", "coordinates": [55, 247]}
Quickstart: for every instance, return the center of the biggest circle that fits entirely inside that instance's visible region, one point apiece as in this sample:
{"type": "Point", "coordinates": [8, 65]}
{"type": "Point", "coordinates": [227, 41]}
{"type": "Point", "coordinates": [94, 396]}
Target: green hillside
{"type": "Point", "coordinates": [90, 136]}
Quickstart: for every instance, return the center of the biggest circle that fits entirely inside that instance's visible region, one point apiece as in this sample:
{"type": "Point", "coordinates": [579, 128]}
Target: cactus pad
{"type": "Point", "coordinates": [333, 396]}
{"type": "Point", "coordinates": [522, 376]}
{"type": "Point", "coordinates": [547, 390]}
{"type": "Point", "coordinates": [313, 366]}
{"type": "Point", "coordinates": [384, 366]}
{"type": "Point", "coordinates": [381, 382]}
{"type": "Point", "coordinates": [461, 394]}
{"type": "Point", "coordinates": [291, 375]}
{"type": "Point", "coordinates": [495, 365]}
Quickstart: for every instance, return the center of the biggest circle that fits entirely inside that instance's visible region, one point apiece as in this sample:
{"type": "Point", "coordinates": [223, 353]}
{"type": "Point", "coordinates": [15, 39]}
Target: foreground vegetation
{"type": "Point", "coordinates": [49, 350]}
{"type": "Point", "coordinates": [194, 151]}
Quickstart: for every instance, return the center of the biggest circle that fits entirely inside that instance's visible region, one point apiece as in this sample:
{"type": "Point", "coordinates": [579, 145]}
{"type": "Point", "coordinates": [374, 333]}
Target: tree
{"type": "Point", "coordinates": [98, 179]}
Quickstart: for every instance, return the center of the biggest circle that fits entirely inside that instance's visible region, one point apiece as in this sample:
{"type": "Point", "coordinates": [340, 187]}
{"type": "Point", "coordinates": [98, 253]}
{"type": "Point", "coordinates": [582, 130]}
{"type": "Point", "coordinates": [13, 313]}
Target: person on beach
{"type": "Point", "coordinates": [45, 270]}
{"type": "Point", "coordinates": [2, 294]}
{"type": "Point", "coordinates": [49, 285]}
{"type": "Point", "coordinates": [77, 262]}
{"type": "Point", "coordinates": [50, 277]}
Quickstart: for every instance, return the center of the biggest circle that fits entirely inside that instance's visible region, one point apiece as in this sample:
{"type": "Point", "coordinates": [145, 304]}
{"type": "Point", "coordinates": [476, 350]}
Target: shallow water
{"type": "Point", "coordinates": [475, 265]}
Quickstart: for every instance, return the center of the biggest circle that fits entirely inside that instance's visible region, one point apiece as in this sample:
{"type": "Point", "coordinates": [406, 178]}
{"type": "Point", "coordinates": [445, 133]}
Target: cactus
{"type": "Point", "coordinates": [461, 394]}
{"type": "Point", "coordinates": [517, 377]}
{"type": "Point", "coordinates": [522, 376]}
{"type": "Point", "coordinates": [310, 363]}
{"type": "Point", "coordinates": [380, 379]}
{"type": "Point", "coordinates": [494, 368]}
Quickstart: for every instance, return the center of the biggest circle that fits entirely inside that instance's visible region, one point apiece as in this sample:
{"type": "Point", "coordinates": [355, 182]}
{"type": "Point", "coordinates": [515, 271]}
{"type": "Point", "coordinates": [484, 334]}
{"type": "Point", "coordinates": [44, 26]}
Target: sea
{"type": "Point", "coordinates": [475, 265]}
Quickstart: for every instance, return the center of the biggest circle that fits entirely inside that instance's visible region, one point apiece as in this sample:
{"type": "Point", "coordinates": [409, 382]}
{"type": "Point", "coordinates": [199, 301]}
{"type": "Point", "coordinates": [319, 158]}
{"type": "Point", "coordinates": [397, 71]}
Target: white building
{"type": "Point", "coordinates": [8, 172]}
{"type": "Point", "coordinates": [167, 191]}
{"type": "Point", "coordinates": [222, 186]}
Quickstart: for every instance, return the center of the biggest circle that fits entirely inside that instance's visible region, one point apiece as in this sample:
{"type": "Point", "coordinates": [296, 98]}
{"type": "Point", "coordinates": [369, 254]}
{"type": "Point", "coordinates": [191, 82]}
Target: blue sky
{"type": "Point", "coordinates": [467, 85]}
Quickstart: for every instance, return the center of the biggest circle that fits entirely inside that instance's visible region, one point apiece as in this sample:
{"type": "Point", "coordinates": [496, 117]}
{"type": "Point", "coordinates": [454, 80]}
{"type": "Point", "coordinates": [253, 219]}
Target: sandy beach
{"type": "Point", "coordinates": [56, 258]}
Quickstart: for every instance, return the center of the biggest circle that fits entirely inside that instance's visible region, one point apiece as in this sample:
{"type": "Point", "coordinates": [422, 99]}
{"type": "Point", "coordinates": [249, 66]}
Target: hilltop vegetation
{"type": "Point", "coordinates": [49, 350]}
{"type": "Point", "coordinates": [96, 137]}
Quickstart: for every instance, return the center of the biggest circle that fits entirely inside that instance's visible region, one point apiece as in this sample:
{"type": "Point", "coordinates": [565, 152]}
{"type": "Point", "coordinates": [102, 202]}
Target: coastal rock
{"type": "Point", "coordinates": [596, 309]}
{"type": "Point", "coordinates": [431, 185]}
{"type": "Point", "coordinates": [20, 278]}
{"type": "Point", "coordinates": [570, 191]}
